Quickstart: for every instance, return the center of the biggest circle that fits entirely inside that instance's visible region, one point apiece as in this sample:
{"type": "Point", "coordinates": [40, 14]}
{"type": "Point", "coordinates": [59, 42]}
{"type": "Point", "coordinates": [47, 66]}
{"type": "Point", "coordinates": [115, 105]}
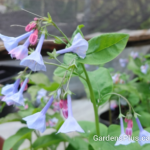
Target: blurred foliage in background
{"type": "Point", "coordinates": [97, 15]}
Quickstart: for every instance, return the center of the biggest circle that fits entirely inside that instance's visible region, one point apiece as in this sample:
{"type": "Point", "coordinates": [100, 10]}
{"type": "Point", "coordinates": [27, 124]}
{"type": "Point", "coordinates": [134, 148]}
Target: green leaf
{"type": "Point", "coordinates": [23, 133]}
{"type": "Point", "coordinates": [40, 79]}
{"type": "Point", "coordinates": [69, 59]}
{"type": "Point", "coordinates": [104, 48]}
{"type": "Point", "coordinates": [77, 143]}
{"type": "Point", "coordinates": [89, 128]}
{"type": "Point", "coordinates": [33, 90]}
{"type": "Point", "coordinates": [144, 118]}
{"type": "Point", "coordinates": [48, 140]}
{"type": "Point", "coordinates": [102, 84]}
{"type": "Point", "coordinates": [10, 118]}
{"type": "Point", "coordinates": [52, 87]}
{"type": "Point", "coordinates": [133, 99]}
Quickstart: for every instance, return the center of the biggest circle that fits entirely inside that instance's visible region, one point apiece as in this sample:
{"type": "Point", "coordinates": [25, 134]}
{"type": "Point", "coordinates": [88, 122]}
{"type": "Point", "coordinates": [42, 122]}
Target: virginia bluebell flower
{"type": "Point", "coordinates": [123, 62]}
{"type": "Point", "coordinates": [79, 46]}
{"type": "Point", "coordinates": [116, 78]}
{"type": "Point", "coordinates": [7, 97]}
{"type": "Point", "coordinates": [20, 52]}
{"type": "Point", "coordinates": [37, 121]}
{"type": "Point", "coordinates": [123, 138]}
{"type": "Point", "coordinates": [134, 54]}
{"type": "Point", "coordinates": [6, 90]}
{"type": "Point", "coordinates": [11, 42]}
{"type": "Point", "coordinates": [35, 60]}
{"type": "Point", "coordinates": [70, 123]}
{"type": "Point", "coordinates": [53, 122]}
{"type": "Point", "coordinates": [18, 97]}
{"type": "Point", "coordinates": [144, 136]}
{"type": "Point", "coordinates": [144, 68]}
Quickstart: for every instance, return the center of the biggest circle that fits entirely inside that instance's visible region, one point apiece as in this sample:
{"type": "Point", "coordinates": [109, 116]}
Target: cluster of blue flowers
{"type": "Point", "coordinates": [34, 61]}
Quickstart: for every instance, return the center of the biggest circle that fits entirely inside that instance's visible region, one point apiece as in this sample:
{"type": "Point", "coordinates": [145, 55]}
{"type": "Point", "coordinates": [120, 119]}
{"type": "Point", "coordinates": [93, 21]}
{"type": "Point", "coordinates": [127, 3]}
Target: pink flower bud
{"type": "Point", "coordinates": [61, 104]}
{"type": "Point", "coordinates": [129, 126]}
{"type": "Point", "coordinates": [35, 19]}
{"type": "Point", "coordinates": [33, 25]}
{"type": "Point", "coordinates": [129, 131]}
{"type": "Point", "coordinates": [28, 28]}
{"type": "Point", "coordinates": [26, 106]}
{"type": "Point", "coordinates": [65, 112]}
{"type": "Point", "coordinates": [33, 37]}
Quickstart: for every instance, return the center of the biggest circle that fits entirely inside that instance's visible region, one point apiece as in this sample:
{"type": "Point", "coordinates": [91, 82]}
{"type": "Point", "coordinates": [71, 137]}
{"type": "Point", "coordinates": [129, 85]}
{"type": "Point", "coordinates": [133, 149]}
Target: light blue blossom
{"type": "Point", "coordinates": [21, 51]}
{"type": "Point", "coordinates": [79, 46]}
{"type": "Point", "coordinates": [123, 62]}
{"type": "Point", "coordinates": [11, 42]}
{"type": "Point", "coordinates": [144, 136]}
{"type": "Point", "coordinates": [35, 61]}
{"type": "Point", "coordinates": [123, 138]}
{"type": "Point", "coordinates": [70, 123]}
{"type": "Point", "coordinates": [144, 68]}
{"type": "Point", "coordinates": [7, 89]}
{"type": "Point", "coordinates": [18, 97]}
{"type": "Point", "coordinates": [37, 121]}
{"type": "Point", "coordinates": [7, 97]}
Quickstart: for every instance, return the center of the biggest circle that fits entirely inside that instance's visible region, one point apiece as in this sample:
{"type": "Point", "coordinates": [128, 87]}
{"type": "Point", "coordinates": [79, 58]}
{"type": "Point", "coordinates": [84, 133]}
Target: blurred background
{"type": "Point", "coordinates": [98, 16]}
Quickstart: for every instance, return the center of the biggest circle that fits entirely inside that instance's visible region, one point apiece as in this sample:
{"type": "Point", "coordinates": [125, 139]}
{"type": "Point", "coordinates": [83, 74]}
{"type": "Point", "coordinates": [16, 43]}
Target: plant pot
{"type": "Point", "coordinates": [1, 143]}
{"type": "Point", "coordinates": [104, 117]}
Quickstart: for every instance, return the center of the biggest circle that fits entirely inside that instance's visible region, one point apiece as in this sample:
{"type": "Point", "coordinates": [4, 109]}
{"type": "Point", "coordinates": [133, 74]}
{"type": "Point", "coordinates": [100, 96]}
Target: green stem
{"type": "Point", "coordinates": [61, 32]}
{"type": "Point", "coordinates": [110, 115]}
{"type": "Point", "coordinates": [64, 68]}
{"type": "Point", "coordinates": [93, 101]}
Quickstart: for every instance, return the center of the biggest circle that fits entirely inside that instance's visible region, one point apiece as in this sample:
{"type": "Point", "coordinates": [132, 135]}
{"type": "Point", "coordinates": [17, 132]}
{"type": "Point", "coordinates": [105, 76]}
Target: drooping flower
{"type": "Point", "coordinates": [116, 79]}
{"type": "Point", "coordinates": [21, 51]}
{"type": "Point", "coordinates": [144, 136]}
{"type": "Point", "coordinates": [56, 107]}
{"type": "Point", "coordinates": [11, 88]}
{"type": "Point", "coordinates": [11, 42]}
{"type": "Point", "coordinates": [7, 97]}
{"type": "Point", "coordinates": [144, 68]}
{"type": "Point", "coordinates": [37, 121]}
{"type": "Point", "coordinates": [113, 105]}
{"type": "Point", "coordinates": [34, 37]}
{"type": "Point", "coordinates": [123, 138]}
{"type": "Point", "coordinates": [86, 66]}
{"type": "Point", "coordinates": [53, 122]}
{"type": "Point", "coordinates": [70, 123]}
{"type": "Point", "coordinates": [129, 126]}
{"type": "Point", "coordinates": [134, 54]}
{"type": "Point", "coordinates": [26, 87]}
{"type": "Point", "coordinates": [41, 93]}
{"type": "Point", "coordinates": [65, 112]}
{"type": "Point", "coordinates": [35, 61]}
{"type": "Point", "coordinates": [18, 97]}
{"type": "Point", "coordinates": [7, 89]}
{"type": "Point", "coordinates": [79, 46]}
{"type": "Point", "coordinates": [123, 62]}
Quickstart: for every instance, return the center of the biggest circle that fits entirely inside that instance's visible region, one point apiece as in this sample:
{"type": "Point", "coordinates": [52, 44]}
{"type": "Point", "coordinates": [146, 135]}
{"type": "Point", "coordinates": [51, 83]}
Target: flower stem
{"type": "Point", "coordinates": [61, 32]}
{"type": "Point", "coordinates": [93, 101]}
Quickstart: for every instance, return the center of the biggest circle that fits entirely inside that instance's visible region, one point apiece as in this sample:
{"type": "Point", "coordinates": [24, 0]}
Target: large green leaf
{"type": "Point", "coordinates": [33, 90]}
{"type": "Point", "coordinates": [104, 48]}
{"type": "Point", "coordinates": [40, 79]}
{"type": "Point", "coordinates": [144, 118]}
{"type": "Point", "coordinates": [48, 140]}
{"type": "Point", "coordinates": [102, 84]}
{"type": "Point", "coordinates": [10, 118]}
{"type": "Point", "coordinates": [89, 128]}
{"type": "Point", "coordinates": [23, 133]}
{"type": "Point", "coordinates": [77, 143]}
